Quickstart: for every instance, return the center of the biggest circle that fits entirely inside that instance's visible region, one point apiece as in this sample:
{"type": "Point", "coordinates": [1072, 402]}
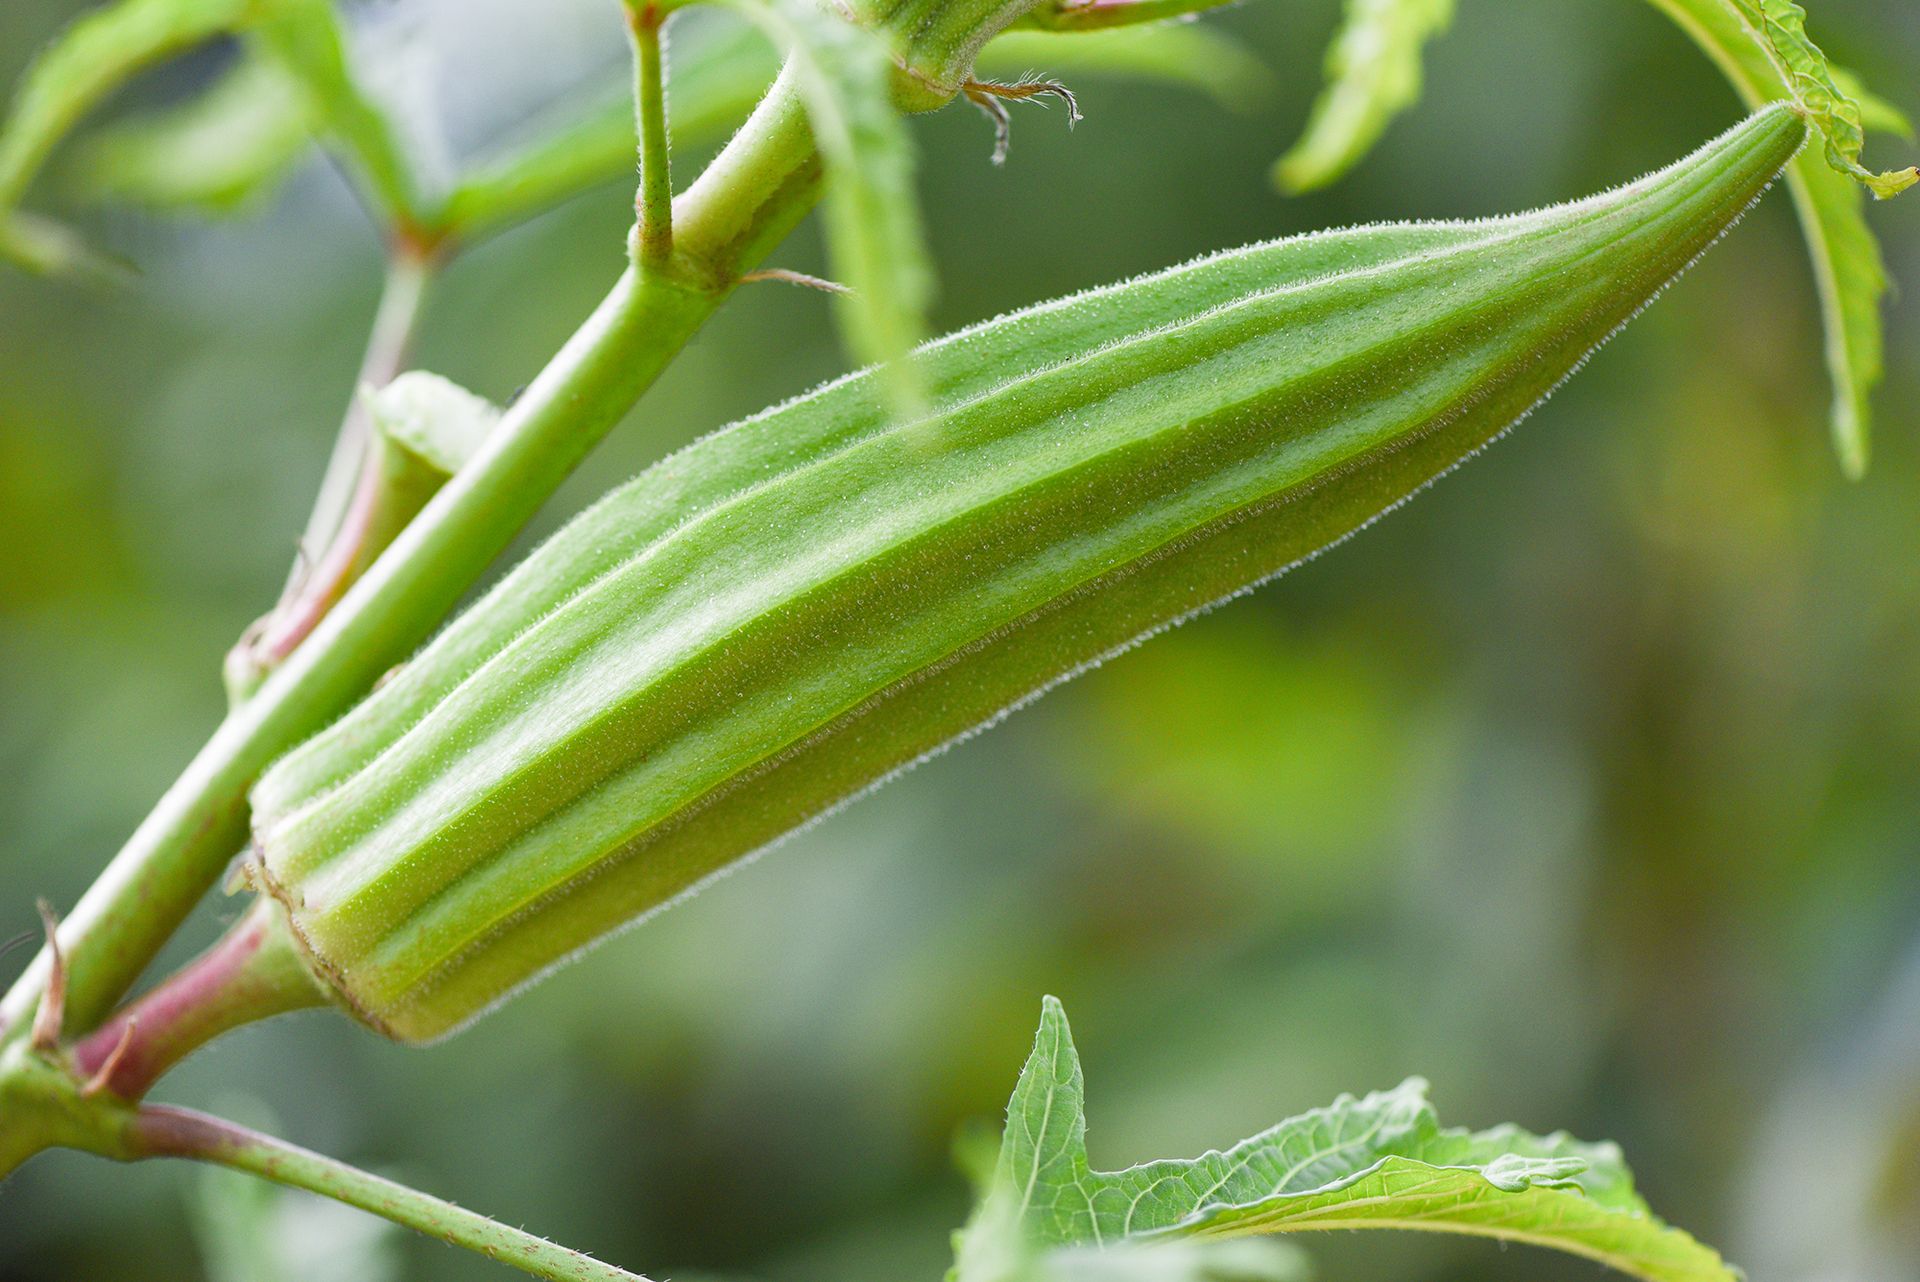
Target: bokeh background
{"type": "Point", "coordinates": [1588, 786]}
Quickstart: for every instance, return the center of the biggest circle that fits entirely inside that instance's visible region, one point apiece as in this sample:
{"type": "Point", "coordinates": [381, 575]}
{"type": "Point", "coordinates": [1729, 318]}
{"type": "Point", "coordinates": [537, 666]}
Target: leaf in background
{"type": "Point", "coordinates": [218, 153]}
{"type": "Point", "coordinates": [1101, 15]}
{"type": "Point", "coordinates": [1373, 73]}
{"type": "Point", "coordinates": [1877, 115]}
{"type": "Point", "coordinates": [1847, 268]}
{"type": "Point", "coordinates": [86, 62]}
{"type": "Point", "coordinates": [251, 1231]}
{"type": "Point", "coordinates": [46, 248]}
{"type": "Point", "coordinates": [874, 237]}
{"type": "Point", "coordinates": [1381, 1161]}
{"type": "Point", "coordinates": [1246, 1261]}
{"type": "Point", "coordinates": [248, 1230]}
{"type": "Point", "coordinates": [305, 37]}
{"type": "Point", "coordinates": [1184, 54]}
{"type": "Point", "coordinates": [104, 48]}
{"type": "Point", "coordinates": [717, 71]}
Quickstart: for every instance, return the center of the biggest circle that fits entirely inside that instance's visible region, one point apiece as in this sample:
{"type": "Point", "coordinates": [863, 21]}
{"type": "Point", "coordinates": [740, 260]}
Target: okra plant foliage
{"type": "Point", "coordinates": [784, 614]}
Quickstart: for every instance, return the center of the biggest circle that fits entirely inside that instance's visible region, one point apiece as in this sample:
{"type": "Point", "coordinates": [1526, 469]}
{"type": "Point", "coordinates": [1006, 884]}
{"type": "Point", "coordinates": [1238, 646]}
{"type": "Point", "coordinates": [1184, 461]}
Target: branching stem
{"type": "Point", "coordinates": [747, 201]}
{"type": "Point", "coordinates": [654, 204]}
{"type": "Point", "coordinates": [252, 972]}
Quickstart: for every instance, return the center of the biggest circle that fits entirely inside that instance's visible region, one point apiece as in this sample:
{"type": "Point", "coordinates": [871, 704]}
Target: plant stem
{"type": "Point", "coordinates": [173, 1132]}
{"type": "Point", "coordinates": [253, 971]}
{"type": "Point", "coordinates": [655, 203]}
{"type": "Point", "coordinates": [751, 196]}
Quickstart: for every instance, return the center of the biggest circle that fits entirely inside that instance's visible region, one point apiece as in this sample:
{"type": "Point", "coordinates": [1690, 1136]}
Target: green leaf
{"type": "Point", "coordinates": [716, 71]}
{"type": "Point", "coordinates": [219, 153]}
{"type": "Point", "coordinates": [89, 60]}
{"type": "Point", "coordinates": [1186, 55]}
{"type": "Point", "coordinates": [1779, 28]}
{"type": "Point", "coordinates": [1373, 74]}
{"type": "Point", "coordinates": [1848, 271]}
{"type": "Point", "coordinates": [1245, 1260]}
{"type": "Point", "coordinates": [306, 38]}
{"type": "Point", "coordinates": [1380, 1161]}
{"type": "Point", "coordinates": [240, 140]}
{"type": "Point", "coordinates": [1100, 15]}
{"type": "Point", "coordinates": [1877, 115]}
{"type": "Point", "coordinates": [250, 1230]}
{"type": "Point", "coordinates": [46, 248]}
{"type": "Point", "coordinates": [874, 237]}
{"type": "Point", "coordinates": [798, 606]}
{"type": "Point", "coordinates": [85, 63]}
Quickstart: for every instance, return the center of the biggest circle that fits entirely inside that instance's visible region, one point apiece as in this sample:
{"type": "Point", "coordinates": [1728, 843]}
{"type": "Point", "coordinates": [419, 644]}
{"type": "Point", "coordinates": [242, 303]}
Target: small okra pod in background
{"type": "Point", "coordinates": [763, 625]}
{"type": "Point", "coordinates": [423, 428]}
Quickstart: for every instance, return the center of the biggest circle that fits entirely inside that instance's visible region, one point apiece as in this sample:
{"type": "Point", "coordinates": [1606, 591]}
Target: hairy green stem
{"type": "Point", "coordinates": [173, 1132]}
{"type": "Point", "coordinates": [654, 206]}
{"type": "Point", "coordinates": [752, 195]}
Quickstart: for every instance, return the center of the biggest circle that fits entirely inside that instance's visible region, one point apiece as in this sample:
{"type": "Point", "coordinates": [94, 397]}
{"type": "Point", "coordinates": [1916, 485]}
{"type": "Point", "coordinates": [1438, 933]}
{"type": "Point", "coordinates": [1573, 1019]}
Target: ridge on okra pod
{"type": "Point", "coordinates": [770, 621]}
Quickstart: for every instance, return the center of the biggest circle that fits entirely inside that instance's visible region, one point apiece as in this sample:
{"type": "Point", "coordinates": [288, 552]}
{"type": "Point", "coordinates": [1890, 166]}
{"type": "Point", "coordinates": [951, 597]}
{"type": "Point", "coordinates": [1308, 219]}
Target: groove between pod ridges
{"type": "Point", "coordinates": [436, 812]}
{"type": "Point", "coordinates": [634, 515]}
{"type": "Point", "coordinates": [611, 524]}
{"type": "Point", "coordinates": [624, 891]}
{"type": "Point", "coordinates": [1366, 494]}
{"type": "Point", "coordinates": [955, 366]}
{"type": "Point", "coordinates": [614, 650]}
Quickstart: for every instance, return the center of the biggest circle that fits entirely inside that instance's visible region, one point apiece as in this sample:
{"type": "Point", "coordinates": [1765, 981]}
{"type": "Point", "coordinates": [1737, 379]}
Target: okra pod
{"type": "Point", "coordinates": [768, 622]}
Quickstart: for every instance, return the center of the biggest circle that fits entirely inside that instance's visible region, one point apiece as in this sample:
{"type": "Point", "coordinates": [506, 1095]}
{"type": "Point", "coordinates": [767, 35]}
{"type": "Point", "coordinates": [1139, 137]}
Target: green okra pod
{"type": "Point", "coordinates": [764, 624]}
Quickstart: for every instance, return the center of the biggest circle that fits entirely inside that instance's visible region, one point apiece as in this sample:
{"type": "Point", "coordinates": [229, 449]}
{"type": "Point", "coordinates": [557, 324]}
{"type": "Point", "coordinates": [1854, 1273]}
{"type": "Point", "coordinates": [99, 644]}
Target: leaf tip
{"type": "Point", "coordinates": [1850, 443]}
{"type": "Point", "coordinates": [1295, 174]}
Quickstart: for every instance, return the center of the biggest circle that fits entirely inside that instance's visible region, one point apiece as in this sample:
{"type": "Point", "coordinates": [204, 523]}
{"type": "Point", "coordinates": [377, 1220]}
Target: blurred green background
{"type": "Point", "coordinates": [1588, 786]}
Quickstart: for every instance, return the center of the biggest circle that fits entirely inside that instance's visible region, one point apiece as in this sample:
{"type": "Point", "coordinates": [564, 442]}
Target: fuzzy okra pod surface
{"type": "Point", "coordinates": [769, 621]}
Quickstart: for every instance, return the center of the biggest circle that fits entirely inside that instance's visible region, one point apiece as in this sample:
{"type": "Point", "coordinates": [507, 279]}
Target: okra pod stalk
{"type": "Point", "coordinates": [765, 624]}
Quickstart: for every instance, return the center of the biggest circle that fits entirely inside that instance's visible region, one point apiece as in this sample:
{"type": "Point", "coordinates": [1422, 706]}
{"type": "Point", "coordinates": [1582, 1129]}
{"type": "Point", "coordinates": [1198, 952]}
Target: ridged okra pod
{"type": "Point", "coordinates": [769, 621]}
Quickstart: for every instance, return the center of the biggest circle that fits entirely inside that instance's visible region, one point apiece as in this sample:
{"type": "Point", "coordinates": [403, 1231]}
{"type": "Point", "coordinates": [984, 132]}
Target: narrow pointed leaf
{"type": "Point", "coordinates": [874, 237]}
{"type": "Point", "coordinates": [715, 73]}
{"type": "Point", "coordinates": [1373, 74]}
{"type": "Point", "coordinates": [1187, 55]}
{"type": "Point", "coordinates": [1103, 15]}
{"type": "Point", "coordinates": [46, 248]}
{"type": "Point", "coordinates": [1779, 28]}
{"type": "Point", "coordinates": [718, 71]}
{"type": "Point", "coordinates": [770, 621]}
{"type": "Point", "coordinates": [1380, 1161]}
{"type": "Point", "coordinates": [90, 59]}
{"type": "Point", "coordinates": [94, 56]}
{"type": "Point", "coordinates": [1848, 271]}
{"type": "Point", "coordinates": [306, 37]}
{"type": "Point", "coordinates": [219, 153]}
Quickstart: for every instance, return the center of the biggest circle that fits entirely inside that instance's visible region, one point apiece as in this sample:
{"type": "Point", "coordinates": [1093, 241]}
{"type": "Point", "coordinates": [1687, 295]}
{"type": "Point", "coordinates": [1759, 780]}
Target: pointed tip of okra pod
{"type": "Point", "coordinates": [801, 605]}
